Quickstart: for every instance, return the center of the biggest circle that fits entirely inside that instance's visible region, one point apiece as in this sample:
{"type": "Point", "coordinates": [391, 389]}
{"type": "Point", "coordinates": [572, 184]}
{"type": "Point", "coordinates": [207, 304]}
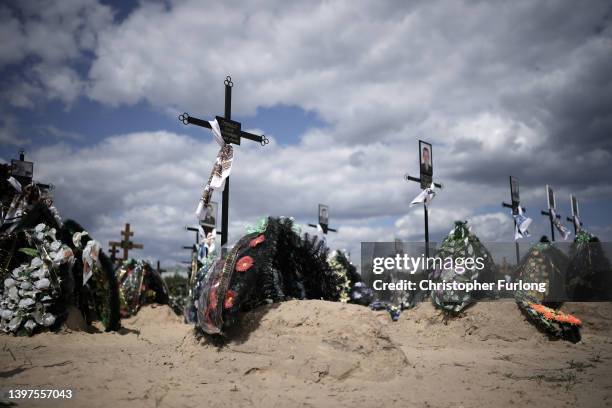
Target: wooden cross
{"type": "Point", "coordinates": [113, 251]}
{"type": "Point", "coordinates": [125, 243]}
{"type": "Point", "coordinates": [232, 133]}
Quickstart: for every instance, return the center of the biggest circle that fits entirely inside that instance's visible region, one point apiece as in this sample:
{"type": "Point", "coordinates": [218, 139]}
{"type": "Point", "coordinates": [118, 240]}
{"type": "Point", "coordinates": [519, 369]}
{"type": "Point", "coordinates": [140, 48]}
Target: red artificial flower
{"type": "Point", "coordinates": [244, 264]}
{"type": "Point", "coordinates": [229, 299]}
{"type": "Point", "coordinates": [256, 241]}
{"type": "Point", "coordinates": [212, 298]}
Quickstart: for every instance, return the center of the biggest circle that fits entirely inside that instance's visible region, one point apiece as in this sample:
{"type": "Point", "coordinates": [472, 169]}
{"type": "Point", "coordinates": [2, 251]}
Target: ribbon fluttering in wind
{"type": "Point", "coordinates": [521, 224]}
{"type": "Point", "coordinates": [220, 171]}
{"type": "Point", "coordinates": [577, 224]}
{"type": "Point", "coordinates": [426, 197]}
{"type": "Point", "coordinates": [560, 227]}
{"type": "Point", "coordinates": [15, 183]}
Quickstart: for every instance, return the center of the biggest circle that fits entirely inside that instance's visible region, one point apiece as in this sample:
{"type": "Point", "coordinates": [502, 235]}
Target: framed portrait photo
{"type": "Point", "coordinates": [425, 163]}
{"type": "Point", "coordinates": [208, 218]}
{"type": "Point", "coordinates": [323, 214]}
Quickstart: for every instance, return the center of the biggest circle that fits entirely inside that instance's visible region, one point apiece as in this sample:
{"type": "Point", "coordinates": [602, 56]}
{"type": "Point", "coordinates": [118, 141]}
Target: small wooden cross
{"type": "Point", "coordinates": [113, 251]}
{"type": "Point", "coordinates": [125, 243]}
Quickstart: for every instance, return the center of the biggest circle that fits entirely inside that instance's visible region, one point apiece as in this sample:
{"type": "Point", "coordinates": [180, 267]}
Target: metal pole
{"type": "Point", "coordinates": [518, 257]}
{"type": "Point", "coordinates": [225, 200]}
{"type": "Point", "coordinates": [426, 231]}
{"type": "Point", "coordinates": [552, 225]}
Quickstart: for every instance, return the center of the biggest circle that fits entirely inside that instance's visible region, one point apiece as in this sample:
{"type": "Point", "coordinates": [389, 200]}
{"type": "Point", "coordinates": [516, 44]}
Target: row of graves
{"type": "Point", "coordinates": [49, 265]}
{"type": "Point", "coordinates": [51, 268]}
{"type": "Point", "coordinates": [276, 261]}
{"type": "Point", "coordinates": [547, 275]}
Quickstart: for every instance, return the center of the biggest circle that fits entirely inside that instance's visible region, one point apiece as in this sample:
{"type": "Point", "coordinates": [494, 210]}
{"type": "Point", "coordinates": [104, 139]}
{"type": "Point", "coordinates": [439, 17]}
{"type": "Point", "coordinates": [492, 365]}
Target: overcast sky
{"type": "Point", "coordinates": [344, 90]}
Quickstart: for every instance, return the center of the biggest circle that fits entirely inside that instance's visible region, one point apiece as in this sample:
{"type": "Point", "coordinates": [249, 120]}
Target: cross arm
{"type": "Point", "coordinates": [547, 213]}
{"type": "Point", "coordinates": [190, 120]}
{"type": "Point", "coordinates": [506, 205]}
{"type": "Point", "coordinates": [418, 180]}
{"type": "Point", "coordinates": [256, 138]}
{"type": "Point", "coordinates": [329, 229]}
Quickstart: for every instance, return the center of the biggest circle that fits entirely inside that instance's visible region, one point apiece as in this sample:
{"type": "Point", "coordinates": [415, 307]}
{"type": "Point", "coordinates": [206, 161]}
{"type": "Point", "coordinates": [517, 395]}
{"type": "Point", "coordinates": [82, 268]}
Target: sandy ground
{"type": "Point", "coordinates": [320, 354]}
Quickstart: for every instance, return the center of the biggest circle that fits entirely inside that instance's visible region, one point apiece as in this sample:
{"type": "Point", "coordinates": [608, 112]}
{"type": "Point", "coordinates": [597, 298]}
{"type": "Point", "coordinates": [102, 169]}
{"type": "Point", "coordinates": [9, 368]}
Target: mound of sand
{"type": "Point", "coordinates": [315, 353]}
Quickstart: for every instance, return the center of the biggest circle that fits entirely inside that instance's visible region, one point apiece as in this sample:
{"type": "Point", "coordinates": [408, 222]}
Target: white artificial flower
{"type": "Point", "coordinates": [27, 302]}
{"type": "Point", "coordinates": [48, 319]}
{"type": "Point", "coordinates": [13, 293]}
{"type": "Point", "coordinates": [55, 245]}
{"type": "Point", "coordinates": [36, 262]}
{"type": "Point", "coordinates": [42, 284]}
{"type": "Point", "coordinates": [30, 325]}
{"type": "Point", "coordinates": [14, 323]}
{"type": "Point", "coordinates": [6, 314]}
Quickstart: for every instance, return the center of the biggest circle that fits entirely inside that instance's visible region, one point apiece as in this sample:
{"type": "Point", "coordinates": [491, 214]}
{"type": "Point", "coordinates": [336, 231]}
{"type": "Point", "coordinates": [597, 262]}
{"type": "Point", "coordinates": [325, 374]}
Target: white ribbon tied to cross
{"type": "Point", "coordinates": [426, 197]}
{"type": "Point", "coordinates": [521, 224]}
{"type": "Point", "coordinates": [577, 224]}
{"type": "Point", "coordinates": [221, 169]}
{"type": "Point", "coordinates": [560, 227]}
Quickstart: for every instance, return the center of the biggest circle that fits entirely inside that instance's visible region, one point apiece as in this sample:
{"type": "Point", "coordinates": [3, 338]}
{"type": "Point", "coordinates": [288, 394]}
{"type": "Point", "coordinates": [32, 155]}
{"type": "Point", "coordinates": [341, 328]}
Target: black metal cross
{"type": "Point", "coordinates": [549, 214]}
{"type": "Point", "coordinates": [514, 196]}
{"type": "Point", "coordinates": [439, 185]}
{"type": "Point", "coordinates": [324, 225]}
{"type": "Point", "coordinates": [231, 133]}
{"type": "Point", "coordinates": [574, 219]}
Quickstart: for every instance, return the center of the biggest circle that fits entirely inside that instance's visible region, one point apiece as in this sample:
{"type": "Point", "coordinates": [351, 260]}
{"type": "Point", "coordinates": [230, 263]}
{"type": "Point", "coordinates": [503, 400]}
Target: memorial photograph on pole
{"type": "Point", "coordinates": [426, 164]}
{"type": "Point", "coordinates": [208, 217]}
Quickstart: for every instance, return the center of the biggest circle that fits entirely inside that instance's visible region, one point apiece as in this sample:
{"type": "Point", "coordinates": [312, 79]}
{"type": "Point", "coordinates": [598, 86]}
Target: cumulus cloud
{"type": "Point", "coordinates": [43, 44]}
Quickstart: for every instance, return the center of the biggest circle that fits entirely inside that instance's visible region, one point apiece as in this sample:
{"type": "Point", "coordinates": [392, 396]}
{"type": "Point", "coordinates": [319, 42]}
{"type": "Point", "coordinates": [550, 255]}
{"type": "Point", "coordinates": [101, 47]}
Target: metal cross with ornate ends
{"type": "Point", "coordinates": [231, 133]}
{"type": "Point", "coordinates": [125, 243]}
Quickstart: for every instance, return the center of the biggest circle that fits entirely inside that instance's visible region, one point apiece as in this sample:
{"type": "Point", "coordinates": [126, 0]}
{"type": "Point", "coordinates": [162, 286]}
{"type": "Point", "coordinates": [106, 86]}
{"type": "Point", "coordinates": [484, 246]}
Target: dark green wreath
{"type": "Point", "coordinates": [589, 274]}
{"type": "Point", "coordinates": [273, 263]}
{"type": "Point", "coordinates": [99, 298]}
{"type": "Point", "coordinates": [545, 263]}
{"type": "Point", "coordinates": [461, 243]}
